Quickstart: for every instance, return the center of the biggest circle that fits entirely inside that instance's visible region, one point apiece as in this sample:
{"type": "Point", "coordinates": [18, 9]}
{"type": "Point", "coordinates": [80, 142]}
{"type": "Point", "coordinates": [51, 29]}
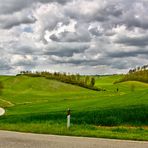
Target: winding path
{"type": "Point", "coordinates": [27, 140]}
{"type": "Point", "coordinates": [2, 111]}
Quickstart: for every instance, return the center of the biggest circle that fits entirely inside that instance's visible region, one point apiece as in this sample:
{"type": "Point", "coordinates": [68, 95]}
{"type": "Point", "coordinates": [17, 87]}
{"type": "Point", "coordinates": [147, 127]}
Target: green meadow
{"type": "Point", "coordinates": [39, 105]}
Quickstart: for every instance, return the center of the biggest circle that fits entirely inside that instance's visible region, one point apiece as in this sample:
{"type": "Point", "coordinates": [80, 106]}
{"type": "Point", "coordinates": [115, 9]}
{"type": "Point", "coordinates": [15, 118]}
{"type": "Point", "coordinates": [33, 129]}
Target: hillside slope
{"type": "Point", "coordinates": [38, 98]}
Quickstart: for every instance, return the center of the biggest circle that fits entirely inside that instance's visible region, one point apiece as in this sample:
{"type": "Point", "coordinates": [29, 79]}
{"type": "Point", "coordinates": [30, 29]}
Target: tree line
{"type": "Point", "coordinates": [136, 74]}
{"type": "Point", "coordinates": [75, 79]}
{"type": "Point", "coordinates": [1, 87]}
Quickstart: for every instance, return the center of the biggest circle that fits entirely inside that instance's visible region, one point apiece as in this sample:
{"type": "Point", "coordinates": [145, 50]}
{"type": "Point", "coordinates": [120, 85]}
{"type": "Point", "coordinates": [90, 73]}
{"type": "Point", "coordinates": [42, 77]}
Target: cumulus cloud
{"type": "Point", "coordinates": [85, 36]}
{"type": "Point", "coordinates": [15, 19]}
{"type": "Point", "coordinates": [11, 6]}
{"type": "Point", "coordinates": [133, 41]}
{"type": "Point", "coordinates": [66, 49]}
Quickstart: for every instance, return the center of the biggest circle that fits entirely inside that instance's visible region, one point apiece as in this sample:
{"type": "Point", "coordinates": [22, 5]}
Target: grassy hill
{"type": "Point", "coordinates": [38, 104]}
{"type": "Point", "coordinates": [139, 74]}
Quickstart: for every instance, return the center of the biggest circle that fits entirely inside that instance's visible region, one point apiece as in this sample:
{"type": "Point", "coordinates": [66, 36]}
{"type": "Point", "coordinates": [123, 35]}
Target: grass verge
{"type": "Point", "coordinates": [119, 132]}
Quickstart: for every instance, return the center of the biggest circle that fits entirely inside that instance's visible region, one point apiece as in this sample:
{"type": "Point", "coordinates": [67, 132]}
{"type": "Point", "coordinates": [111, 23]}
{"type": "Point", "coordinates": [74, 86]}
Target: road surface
{"type": "Point", "coordinates": [27, 140]}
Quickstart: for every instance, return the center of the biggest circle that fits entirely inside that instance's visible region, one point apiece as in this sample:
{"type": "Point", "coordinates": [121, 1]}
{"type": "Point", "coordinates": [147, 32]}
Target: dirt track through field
{"type": "Point", "coordinates": [2, 111]}
{"type": "Point", "coordinates": [28, 140]}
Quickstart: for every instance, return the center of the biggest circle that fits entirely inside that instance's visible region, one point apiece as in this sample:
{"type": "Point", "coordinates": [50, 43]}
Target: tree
{"type": "Point", "coordinates": [86, 80]}
{"type": "Point", "coordinates": [92, 81]}
{"type": "Point", "coordinates": [77, 77]}
{"type": "Point", "coordinates": [1, 87]}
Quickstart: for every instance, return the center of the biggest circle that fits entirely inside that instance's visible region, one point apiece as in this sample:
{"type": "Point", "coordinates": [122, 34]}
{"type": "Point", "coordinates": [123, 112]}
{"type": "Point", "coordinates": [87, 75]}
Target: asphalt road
{"type": "Point", "coordinates": [27, 140]}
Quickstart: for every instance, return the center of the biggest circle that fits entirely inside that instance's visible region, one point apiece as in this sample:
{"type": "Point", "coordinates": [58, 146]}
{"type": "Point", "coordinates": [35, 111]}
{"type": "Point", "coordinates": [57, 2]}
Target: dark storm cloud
{"type": "Point", "coordinates": [66, 49]}
{"type": "Point", "coordinates": [95, 31]}
{"type": "Point", "coordinates": [80, 62]}
{"type": "Point", "coordinates": [71, 37]}
{"type": "Point", "coordinates": [133, 41]}
{"type": "Point", "coordinates": [100, 12]}
{"type": "Point", "coordinates": [10, 6]}
{"type": "Point", "coordinates": [24, 50]}
{"type": "Point", "coordinates": [133, 22]}
{"type": "Point", "coordinates": [122, 54]}
{"type": "Point", "coordinates": [4, 64]}
{"type": "Point", "coordinates": [54, 37]}
{"type": "Point", "coordinates": [62, 53]}
{"type": "Point", "coordinates": [122, 65]}
{"type": "Point", "coordinates": [113, 63]}
{"type": "Point", "coordinates": [10, 21]}
{"type": "Point", "coordinates": [133, 14]}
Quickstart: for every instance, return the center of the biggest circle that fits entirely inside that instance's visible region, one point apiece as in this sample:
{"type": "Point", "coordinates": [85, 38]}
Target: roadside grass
{"type": "Point", "coordinates": [39, 105]}
{"type": "Point", "coordinates": [119, 132]}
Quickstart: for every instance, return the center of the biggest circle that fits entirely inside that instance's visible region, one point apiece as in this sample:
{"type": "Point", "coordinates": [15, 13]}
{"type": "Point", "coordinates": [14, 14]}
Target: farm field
{"type": "Point", "coordinates": [39, 105]}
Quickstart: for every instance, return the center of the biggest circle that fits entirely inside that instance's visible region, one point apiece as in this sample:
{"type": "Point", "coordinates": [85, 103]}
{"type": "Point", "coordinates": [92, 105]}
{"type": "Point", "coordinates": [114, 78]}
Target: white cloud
{"type": "Point", "coordinates": [85, 36]}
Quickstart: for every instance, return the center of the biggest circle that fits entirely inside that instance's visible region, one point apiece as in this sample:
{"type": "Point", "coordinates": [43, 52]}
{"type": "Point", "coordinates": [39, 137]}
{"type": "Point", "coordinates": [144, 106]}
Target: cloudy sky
{"type": "Point", "coordinates": [84, 36]}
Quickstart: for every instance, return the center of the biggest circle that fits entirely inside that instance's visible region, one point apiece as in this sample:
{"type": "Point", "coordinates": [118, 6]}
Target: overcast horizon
{"type": "Point", "coordinates": [76, 36]}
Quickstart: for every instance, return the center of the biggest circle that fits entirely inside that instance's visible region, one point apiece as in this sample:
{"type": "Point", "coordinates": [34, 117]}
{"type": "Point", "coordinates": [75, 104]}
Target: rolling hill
{"type": "Point", "coordinates": [30, 100]}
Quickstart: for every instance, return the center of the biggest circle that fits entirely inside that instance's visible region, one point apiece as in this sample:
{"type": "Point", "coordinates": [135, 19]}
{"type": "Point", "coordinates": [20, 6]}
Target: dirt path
{"type": "Point", "coordinates": [27, 140]}
{"type": "Point", "coordinates": [2, 111]}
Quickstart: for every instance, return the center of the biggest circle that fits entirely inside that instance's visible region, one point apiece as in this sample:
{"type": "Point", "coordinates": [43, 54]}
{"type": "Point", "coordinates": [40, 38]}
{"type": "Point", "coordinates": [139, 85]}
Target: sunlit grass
{"type": "Point", "coordinates": [39, 105]}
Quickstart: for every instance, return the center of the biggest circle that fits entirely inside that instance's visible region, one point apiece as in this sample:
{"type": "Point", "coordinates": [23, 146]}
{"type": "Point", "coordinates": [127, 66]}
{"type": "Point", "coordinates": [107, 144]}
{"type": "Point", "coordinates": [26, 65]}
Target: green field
{"type": "Point", "coordinates": [36, 104]}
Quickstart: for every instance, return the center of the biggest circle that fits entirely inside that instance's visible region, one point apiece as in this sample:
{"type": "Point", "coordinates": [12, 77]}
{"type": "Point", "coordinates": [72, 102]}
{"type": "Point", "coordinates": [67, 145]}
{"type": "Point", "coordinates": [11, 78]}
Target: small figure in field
{"type": "Point", "coordinates": [68, 111]}
{"type": "Point", "coordinates": [117, 89]}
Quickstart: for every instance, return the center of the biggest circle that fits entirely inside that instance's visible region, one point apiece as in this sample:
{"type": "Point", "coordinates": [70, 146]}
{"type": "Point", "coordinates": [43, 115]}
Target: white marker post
{"type": "Point", "coordinates": [68, 118]}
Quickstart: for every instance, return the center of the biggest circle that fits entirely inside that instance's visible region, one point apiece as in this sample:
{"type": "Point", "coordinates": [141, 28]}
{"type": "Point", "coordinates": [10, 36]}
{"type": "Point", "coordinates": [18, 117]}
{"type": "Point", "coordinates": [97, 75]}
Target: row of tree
{"type": "Point", "coordinates": [142, 68]}
{"type": "Point", "coordinates": [1, 87]}
{"type": "Point", "coordinates": [76, 79]}
{"type": "Point", "coordinates": [136, 74]}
